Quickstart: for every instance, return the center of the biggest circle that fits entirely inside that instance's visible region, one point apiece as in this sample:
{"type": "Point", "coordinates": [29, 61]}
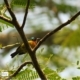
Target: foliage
{"type": "Point", "coordinates": [31, 74]}
{"type": "Point", "coordinates": [76, 78]}
{"type": "Point", "coordinates": [51, 74]}
{"type": "Point", "coordinates": [72, 40]}
{"type": "Point", "coordinates": [20, 3]}
{"type": "Point", "coordinates": [66, 37]}
{"type": "Point", "coordinates": [4, 24]}
{"type": "Point", "coordinates": [27, 75]}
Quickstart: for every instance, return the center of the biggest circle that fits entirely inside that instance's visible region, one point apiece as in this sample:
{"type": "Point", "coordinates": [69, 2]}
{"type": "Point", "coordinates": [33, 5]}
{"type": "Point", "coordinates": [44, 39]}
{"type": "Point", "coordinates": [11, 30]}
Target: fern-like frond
{"type": "Point", "coordinates": [27, 75]}
{"type": "Point", "coordinates": [21, 3]}
{"type": "Point", "coordinates": [51, 74]}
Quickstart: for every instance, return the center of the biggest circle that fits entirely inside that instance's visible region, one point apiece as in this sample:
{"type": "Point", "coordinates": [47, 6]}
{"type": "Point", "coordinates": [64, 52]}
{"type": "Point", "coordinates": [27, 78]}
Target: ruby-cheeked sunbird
{"type": "Point", "coordinates": [22, 50]}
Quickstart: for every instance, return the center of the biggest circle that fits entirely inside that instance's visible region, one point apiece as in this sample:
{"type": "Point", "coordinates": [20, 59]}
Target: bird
{"type": "Point", "coordinates": [21, 48]}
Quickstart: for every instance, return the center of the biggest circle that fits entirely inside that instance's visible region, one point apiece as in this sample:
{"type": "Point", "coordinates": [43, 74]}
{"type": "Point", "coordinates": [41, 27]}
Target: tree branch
{"type": "Point", "coordinates": [18, 27]}
{"type": "Point", "coordinates": [20, 30]}
{"type": "Point", "coordinates": [33, 58]}
{"type": "Point", "coordinates": [18, 70]}
{"type": "Point", "coordinates": [26, 12]}
{"type": "Point", "coordinates": [57, 29]}
{"type": "Point", "coordinates": [21, 33]}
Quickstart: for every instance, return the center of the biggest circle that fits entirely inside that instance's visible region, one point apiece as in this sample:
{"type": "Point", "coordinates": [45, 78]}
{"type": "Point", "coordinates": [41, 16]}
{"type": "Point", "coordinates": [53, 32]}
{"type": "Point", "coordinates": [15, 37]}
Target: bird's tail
{"type": "Point", "coordinates": [13, 54]}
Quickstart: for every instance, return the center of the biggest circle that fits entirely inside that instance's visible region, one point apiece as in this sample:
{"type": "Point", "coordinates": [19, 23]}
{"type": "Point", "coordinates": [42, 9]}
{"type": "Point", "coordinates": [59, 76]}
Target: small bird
{"type": "Point", "coordinates": [22, 50]}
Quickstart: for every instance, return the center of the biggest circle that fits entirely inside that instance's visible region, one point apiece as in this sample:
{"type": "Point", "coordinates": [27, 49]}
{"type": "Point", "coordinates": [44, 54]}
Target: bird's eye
{"type": "Point", "coordinates": [33, 38]}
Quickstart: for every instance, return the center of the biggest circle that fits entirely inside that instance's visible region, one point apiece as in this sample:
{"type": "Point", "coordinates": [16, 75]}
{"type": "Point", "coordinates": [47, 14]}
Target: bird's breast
{"type": "Point", "coordinates": [32, 43]}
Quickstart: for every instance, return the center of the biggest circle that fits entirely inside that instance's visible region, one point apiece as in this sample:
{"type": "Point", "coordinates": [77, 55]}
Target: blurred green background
{"type": "Point", "coordinates": [61, 50]}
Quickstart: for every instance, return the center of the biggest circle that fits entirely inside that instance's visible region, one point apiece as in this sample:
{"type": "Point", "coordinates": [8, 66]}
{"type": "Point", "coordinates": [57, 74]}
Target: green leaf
{"type": "Point", "coordinates": [78, 67]}
{"type": "Point", "coordinates": [51, 74]}
{"type": "Point", "coordinates": [42, 49]}
{"type": "Point", "coordinates": [77, 62]}
{"type": "Point", "coordinates": [21, 3]}
{"type": "Point", "coordinates": [6, 23]}
{"type": "Point", "coordinates": [26, 75]}
{"type": "Point", "coordinates": [0, 29]}
{"type": "Point", "coordinates": [0, 46]}
{"type": "Point", "coordinates": [72, 40]}
{"type": "Point", "coordinates": [76, 78]}
{"type": "Point", "coordinates": [60, 69]}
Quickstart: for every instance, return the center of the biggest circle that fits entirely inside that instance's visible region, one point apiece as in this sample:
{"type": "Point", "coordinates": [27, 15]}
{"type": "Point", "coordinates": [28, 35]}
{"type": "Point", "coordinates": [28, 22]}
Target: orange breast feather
{"type": "Point", "coordinates": [32, 43]}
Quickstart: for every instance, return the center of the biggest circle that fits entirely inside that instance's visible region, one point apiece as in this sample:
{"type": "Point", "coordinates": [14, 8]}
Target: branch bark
{"type": "Point", "coordinates": [26, 12]}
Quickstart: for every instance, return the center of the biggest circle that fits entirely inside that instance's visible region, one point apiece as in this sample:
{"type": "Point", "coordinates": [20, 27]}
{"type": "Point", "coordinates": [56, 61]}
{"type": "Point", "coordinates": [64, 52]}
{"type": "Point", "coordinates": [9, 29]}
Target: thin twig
{"type": "Point", "coordinates": [57, 29]}
{"type": "Point", "coordinates": [5, 19]}
{"type": "Point", "coordinates": [26, 12]}
{"type": "Point", "coordinates": [11, 45]}
{"type": "Point", "coordinates": [18, 70]}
